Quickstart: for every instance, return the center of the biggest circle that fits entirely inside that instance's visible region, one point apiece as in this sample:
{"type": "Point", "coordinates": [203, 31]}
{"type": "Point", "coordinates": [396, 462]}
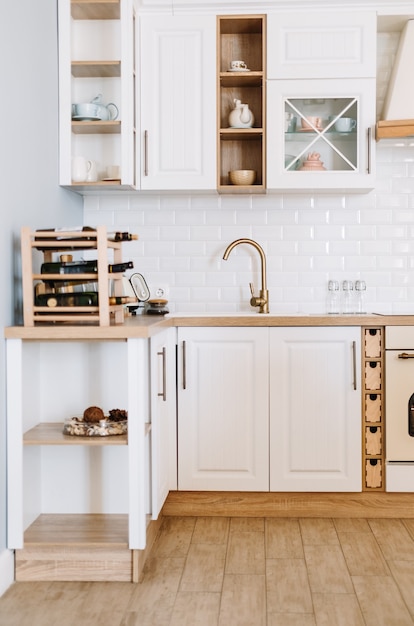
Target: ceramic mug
{"type": "Point", "coordinates": [345, 124]}
{"type": "Point", "coordinates": [80, 169]}
{"type": "Point", "coordinates": [311, 122]}
{"type": "Point", "coordinates": [238, 65]}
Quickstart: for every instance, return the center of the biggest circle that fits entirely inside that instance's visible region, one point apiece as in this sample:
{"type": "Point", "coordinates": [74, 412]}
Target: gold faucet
{"type": "Point", "coordinates": [262, 301]}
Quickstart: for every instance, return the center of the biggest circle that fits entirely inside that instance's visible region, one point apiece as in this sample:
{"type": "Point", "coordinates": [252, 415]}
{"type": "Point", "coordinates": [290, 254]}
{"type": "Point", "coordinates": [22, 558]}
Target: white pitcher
{"type": "Point", "coordinates": [80, 169]}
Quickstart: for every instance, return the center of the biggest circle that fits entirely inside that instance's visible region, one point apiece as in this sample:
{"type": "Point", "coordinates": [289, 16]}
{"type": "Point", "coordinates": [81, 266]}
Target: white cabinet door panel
{"type": "Point", "coordinates": [329, 44]}
{"type": "Point", "coordinates": [315, 412]}
{"type": "Point", "coordinates": [178, 102]}
{"type": "Point", "coordinates": [223, 409]}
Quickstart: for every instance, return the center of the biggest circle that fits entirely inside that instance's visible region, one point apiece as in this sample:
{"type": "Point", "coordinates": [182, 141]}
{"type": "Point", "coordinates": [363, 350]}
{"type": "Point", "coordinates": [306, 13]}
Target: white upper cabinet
{"type": "Point", "coordinates": [321, 101]}
{"type": "Point", "coordinates": [177, 102]}
{"type": "Point", "coordinates": [320, 135]}
{"type": "Point", "coordinates": [328, 44]}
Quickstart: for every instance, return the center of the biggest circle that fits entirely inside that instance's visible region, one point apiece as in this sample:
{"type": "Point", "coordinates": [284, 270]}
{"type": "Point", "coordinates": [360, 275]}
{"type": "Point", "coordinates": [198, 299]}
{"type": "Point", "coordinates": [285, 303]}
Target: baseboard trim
{"type": "Point", "coordinates": [249, 504]}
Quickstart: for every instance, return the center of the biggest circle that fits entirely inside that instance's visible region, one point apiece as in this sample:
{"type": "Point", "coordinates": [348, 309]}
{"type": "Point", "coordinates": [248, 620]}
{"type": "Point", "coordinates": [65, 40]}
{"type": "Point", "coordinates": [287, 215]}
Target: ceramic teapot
{"type": "Point", "coordinates": [241, 116]}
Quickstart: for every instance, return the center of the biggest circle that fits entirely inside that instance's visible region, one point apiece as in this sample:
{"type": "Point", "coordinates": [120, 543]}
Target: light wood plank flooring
{"type": "Point", "coordinates": [221, 571]}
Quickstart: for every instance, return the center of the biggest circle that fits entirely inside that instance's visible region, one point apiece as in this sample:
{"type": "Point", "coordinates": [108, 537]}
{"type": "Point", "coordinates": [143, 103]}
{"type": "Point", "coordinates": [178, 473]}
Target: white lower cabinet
{"type": "Point", "coordinates": [163, 418]}
{"type": "Point", "coordinates": [283, 403]}
{"type": "Point", "coordinates": [315, 409]}
{"type": "Point", "coordinates": [223, 409]}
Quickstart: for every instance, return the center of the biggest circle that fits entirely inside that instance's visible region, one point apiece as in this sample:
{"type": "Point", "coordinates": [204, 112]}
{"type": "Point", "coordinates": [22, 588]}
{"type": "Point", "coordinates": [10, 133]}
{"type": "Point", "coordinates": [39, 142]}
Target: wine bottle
{"type": "Point", "coordinates": [118, 236]}
{"type": "Point", "coordinates": [82, 267]}
{"type": "Point", "coordinates": [52, 300]}
{"type": "Point", "coordinates": [122, 300]}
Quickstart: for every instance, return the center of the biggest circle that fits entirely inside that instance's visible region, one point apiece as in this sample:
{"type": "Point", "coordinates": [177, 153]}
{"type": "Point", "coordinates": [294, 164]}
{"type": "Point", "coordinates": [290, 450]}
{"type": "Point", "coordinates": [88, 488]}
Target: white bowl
{"type": "Point", "coordinates": [242, 177]}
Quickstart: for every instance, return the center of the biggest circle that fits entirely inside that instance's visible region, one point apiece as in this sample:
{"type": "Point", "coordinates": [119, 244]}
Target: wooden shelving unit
{"type": "Point", "coordinates": [392, 129]}
{"type": "Point", "coordinates": [51, 243]}
{"type": "Point", "coordinates": [241, 37]}
{"type": "Point", "coordinates": [373, 407]}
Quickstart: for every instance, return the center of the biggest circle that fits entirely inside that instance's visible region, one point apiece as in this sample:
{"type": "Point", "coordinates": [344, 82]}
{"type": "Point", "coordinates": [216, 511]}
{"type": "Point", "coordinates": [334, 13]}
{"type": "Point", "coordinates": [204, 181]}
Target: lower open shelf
{"type": "Point", "coordinates": [76, 548]}
{"type": "Point", "coordinates": [86, 548]}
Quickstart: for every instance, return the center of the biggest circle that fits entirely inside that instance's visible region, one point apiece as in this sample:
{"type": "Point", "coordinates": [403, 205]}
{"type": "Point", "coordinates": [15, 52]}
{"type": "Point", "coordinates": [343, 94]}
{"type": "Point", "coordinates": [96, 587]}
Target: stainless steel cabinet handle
{"type": "Point", "coordinates": [354, 367]}
{"type": "Point", "coordinates": [369, 150]}
{"type": "Point", "coordinates": [163, 393]}
{"type": "Point", "coordinates": [184, 366]}
{"type": "Point", "coordinates": [405, 355]}
{"type": "Point", "coordinates": [145, 153]}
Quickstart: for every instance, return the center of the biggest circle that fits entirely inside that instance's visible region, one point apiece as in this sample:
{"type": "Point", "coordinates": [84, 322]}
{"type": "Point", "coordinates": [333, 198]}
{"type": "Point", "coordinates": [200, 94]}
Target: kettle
{"type": "Point", "coordinates": [241, 116]}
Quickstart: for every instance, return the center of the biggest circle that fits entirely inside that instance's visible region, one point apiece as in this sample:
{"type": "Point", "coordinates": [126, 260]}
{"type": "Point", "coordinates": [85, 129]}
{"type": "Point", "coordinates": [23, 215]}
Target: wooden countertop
{"type": "Point", "coordinates": [145, 326]}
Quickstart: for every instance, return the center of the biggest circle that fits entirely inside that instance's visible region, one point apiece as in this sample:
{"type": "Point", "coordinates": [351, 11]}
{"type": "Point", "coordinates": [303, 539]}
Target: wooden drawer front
{"type": "Point", "coordinates": [373, 375]}
{"type": "Point", "coordinates": [373, 407]}
{"type": "Point", "coordinates": [374, 473]}
{"type": "Point", "coordinates": [372, 343]}
{"type": "Point", "coordinates": [373, 440]}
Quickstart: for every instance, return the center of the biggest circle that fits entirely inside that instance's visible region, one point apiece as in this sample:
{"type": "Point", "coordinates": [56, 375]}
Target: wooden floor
{"type": "Point", "coordinates": [244, 571]}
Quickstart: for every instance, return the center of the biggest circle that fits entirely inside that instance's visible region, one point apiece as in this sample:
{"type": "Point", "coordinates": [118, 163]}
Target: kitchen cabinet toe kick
{"type": "Point", "coordinates": [374, 504]}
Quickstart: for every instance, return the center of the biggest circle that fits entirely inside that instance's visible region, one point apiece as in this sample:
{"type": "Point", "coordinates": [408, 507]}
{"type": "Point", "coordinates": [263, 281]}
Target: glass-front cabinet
{"type": "Point", "coordinates": [320, 134]}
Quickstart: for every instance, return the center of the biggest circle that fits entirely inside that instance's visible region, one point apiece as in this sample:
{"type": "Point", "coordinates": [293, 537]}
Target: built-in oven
{"type": "Point", "coordinates": [399, 408]}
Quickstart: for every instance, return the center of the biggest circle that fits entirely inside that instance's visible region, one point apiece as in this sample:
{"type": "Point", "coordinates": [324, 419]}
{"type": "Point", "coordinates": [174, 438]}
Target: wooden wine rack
{"type": "Point", "coordinates": [51, 242]}
{"type": "Point", "coordinates": [373, 430]}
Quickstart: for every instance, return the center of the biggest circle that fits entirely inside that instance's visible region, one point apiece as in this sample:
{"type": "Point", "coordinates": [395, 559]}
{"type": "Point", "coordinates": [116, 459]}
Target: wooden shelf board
{"type": "Point", "coordinates": [249, 189]}
{"type": "Point", "coordinates": [78, 530]}
{"type": "Point", "coordinates": [96, 69]}
{"type": "Point", "coordinates": [95, 9]}
{"type": "Point", "coordinates": [240, 79]}
{"type": "Point", "coordinates": [46, 278]}
{"type": "Point", "coordinates": [233, 134]}
{"type": "Point", "coordinates": [236, 25]}
{"type": "Point", "coordinates": [51, 434]}
{"type": "Point", "coordinates": [389, 129]}
{"type": "Point", "coordinates": [110, 127]}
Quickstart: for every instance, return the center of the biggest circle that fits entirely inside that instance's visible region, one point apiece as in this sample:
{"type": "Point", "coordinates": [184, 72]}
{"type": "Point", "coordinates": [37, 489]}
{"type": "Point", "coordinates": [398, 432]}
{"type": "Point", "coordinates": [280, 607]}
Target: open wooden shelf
{"type": "Point", "coordinates": [96, 69]}
{"type": "Point", "coordinates": [241, 37]}
{"type": "Point", "coordinates": [110, 127]}
{"type": "Point", "coordinates": [77, 548]}
{"type": "Point", "coordinates": [51, 434]}
{"type": "Point", "coordinates": [392, 129]}
{"type": "Point", "coordinates": [78, 530]}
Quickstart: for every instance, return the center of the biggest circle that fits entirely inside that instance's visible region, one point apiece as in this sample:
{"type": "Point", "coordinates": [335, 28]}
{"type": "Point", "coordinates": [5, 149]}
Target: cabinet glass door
{"type": "Point", "coordinates": [321, 134]}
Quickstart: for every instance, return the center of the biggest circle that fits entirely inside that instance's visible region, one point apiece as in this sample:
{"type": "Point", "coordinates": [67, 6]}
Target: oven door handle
{"type": "Point", "coordinates": [406, 355]}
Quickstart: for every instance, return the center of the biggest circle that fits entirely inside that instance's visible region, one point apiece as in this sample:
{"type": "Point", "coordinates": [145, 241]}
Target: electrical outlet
{"type": "Point", "coordinates": [159, 291]}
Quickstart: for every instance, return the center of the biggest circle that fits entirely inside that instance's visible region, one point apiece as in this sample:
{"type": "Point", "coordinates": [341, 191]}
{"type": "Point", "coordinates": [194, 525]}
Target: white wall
{"type": "Point", "coordinates": [307, 238]}
{"type": "Point", "coordinates": [29, 191]}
